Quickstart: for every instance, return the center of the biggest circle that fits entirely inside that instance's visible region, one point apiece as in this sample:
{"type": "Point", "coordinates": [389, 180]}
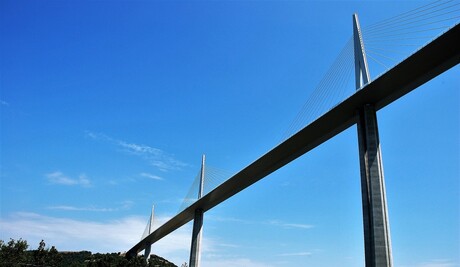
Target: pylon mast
{"type": "Point", "coordinates": [195, 251]}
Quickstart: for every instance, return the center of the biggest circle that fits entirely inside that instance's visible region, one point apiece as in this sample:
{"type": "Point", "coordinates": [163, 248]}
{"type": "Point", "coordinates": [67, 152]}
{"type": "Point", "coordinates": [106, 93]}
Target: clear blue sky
{"type": "Point", "coordinates": [107, 107]}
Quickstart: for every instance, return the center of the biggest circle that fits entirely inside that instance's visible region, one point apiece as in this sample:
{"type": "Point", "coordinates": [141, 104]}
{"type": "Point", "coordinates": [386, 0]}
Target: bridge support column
{"type": "Point", "coordinates": [195, 250]}
{"type": "Point", "coordinates": [375, 215]}
{"type": "Point", "coordinates": [147, 251]}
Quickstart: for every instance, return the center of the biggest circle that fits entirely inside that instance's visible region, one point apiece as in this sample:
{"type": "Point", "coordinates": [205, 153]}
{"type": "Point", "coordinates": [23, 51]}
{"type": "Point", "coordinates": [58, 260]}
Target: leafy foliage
{"type": "Point", "coordinates": [15, 253]}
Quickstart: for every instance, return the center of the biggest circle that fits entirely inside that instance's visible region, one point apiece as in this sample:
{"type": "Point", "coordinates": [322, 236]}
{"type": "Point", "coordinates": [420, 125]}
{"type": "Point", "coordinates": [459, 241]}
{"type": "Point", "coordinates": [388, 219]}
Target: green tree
{"type": "Point", "coordinates": [39, 255]}
{"type": "Point", "coordinates": [13, 253]}
{"type": "Point", "coordinates": [53, 258]}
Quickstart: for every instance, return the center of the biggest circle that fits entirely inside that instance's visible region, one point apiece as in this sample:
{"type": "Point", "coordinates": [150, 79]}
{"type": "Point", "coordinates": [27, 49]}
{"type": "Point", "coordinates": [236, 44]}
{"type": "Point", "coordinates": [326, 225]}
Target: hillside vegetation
{"type": "Point", "coordinates": [15, 253]}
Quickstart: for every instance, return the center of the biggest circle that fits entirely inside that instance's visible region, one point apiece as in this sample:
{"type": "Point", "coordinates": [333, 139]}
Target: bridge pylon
{"type": "Point", "coordinates": [377, 243]}
{"type": "Point", "coordinates": [149, 230]}
{"type": "Point", "coordinates": [195, 250]}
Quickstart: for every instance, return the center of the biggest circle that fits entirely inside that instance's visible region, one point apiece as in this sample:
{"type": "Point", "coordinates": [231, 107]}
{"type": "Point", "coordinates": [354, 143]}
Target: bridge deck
{"type": "Point", "coordinates": [433, 59]}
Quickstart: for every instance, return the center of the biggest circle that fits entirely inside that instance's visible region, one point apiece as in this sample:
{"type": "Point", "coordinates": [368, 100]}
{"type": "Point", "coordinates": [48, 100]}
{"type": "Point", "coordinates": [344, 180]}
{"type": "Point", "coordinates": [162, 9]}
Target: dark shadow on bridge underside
{"type": "Point", "coordinates": [433, 59]}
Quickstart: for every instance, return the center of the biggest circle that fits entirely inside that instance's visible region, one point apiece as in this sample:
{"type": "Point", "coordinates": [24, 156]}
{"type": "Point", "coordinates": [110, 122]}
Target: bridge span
{"type": "Point", "coordinates": [436, 57]}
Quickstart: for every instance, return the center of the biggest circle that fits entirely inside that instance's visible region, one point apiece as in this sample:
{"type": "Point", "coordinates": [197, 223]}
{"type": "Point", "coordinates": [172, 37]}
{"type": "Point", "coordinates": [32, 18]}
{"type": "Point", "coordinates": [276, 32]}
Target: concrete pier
{"type": "Point", "coordinates": [147, 251]}
{"type": "Point", "coordinates": [375, 215]}
{"type": "Point", "coordinates": [195, 251]}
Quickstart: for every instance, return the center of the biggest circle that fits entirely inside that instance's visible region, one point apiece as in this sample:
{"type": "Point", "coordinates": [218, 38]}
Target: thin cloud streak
{"type": "Point", "coordinates": [229, 219]}
{"type": "Point", "coordinates": [437, 263]}
{"type": "Point", "coordinates": [58, 177]}
{"type": "Point", "coordinates": [306, 253]}
{"type": "Point", "coordinates": [271, 222]}
{"type": "Point", "coordinates": [236, 262]}
{"type": "Point", "coordinates": [154, 156]}
{"type": "Point", "coordinates": [124, 206]}
{"type": "Point", "coordinates": [72, 208]}
{"type": "Point", "coordinates": [297, 225]}
{"type": "Point", "coordinates": [290, 225]}
{"type": "Point", "coordinates": [151, 176]}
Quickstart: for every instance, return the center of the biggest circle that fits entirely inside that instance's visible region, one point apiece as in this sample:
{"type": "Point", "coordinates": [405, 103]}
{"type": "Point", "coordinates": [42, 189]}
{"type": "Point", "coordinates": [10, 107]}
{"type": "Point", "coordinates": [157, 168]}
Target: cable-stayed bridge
{"type": "Point", "coordinates": [431, 60]}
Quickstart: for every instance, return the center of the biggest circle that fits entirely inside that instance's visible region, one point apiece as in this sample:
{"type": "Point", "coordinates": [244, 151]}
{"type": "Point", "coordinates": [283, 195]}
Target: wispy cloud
{"type": "Point", "coordinates": [156, 157]}
{"type": "Point", "coordinates": [297, 225]}
{"type": "Point", "coordinates": [229, 219]}
{"type": "Point", "coordinates": [290, 225]}
{"type": "Point", "coordinates": [224, 259]}
{"type": "Point", "coordinates": [276, 223]}
{"type": "Point", "coordinates": [151, 176]}
{"type": "Point", "coordinates": [234, 262]}
{"type": "Point", "coordinates": [58, 177]}
{"type": "Point", "coordinates": [74, 235]}
{"type": "Point", "coordinates": [4, 103]}
{"type": "Point", "coordinates": [228, 245]}
{"type": "Point", "coordinates": [305, 253]}
{"type": "Point", "coordinates": [123, 206]}
{"type": "Point", "coordinates": [73, 208]}
{"type": "Point", "coordinates": [115, 235]}
{"type": "Point", "coordinates": [97, 236]}
{"type": "Point", "coordinates": [438, 263]}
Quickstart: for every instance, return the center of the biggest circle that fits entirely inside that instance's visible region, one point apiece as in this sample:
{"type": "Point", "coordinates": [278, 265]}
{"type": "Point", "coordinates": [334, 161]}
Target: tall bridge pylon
{"type": "Point", "coordinates": [377, 243]}
{"type": "Point", "coordinates": [195, 250]}
{"type": "Point", "coordinates": [148, 231]}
